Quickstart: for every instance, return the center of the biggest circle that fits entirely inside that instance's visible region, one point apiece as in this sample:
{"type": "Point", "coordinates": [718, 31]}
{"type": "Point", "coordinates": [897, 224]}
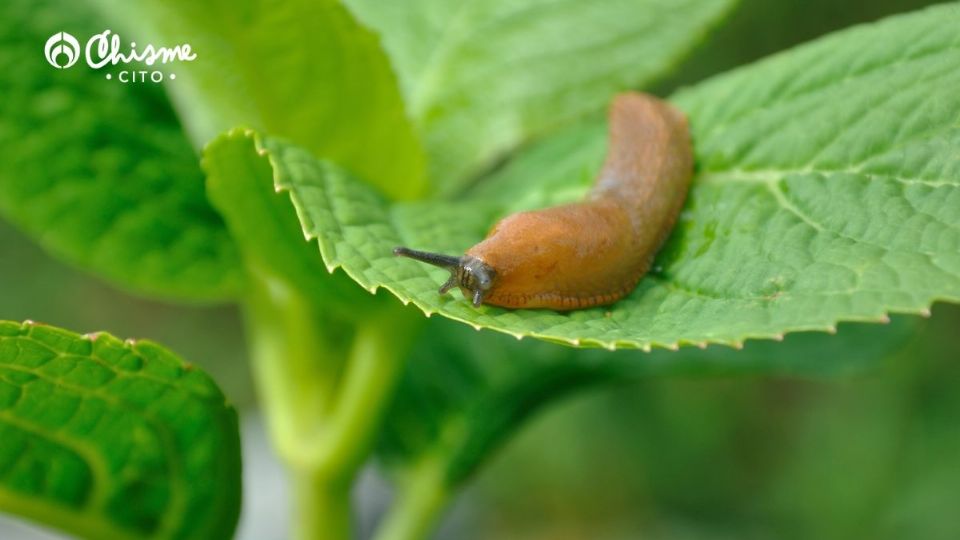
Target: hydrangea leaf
{"type": "Point", "coordinates": [465, 392]}
{"type": "Point", "coordinates": [828, 190]}
{"type": "Point", "coordinates": [304, 70]}
{"type": "Point", "coordinates": [110, 439]}
{"type": "Point", "coordinates": [99, 172]}
{"type": "Point", "coordinates": [483, 76]}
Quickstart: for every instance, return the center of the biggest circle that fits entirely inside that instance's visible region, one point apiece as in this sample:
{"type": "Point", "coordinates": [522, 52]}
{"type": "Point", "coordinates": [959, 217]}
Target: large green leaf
{"type": "Point", "coordinates": [303, 70]}
{"type": "Point", "coordinates": [464, 392]}
{"type": "Point", "coordinates": [482, 76]}
{"type": "Point", "coordinates": [111, 439]}
{"type": "Point", "coordinates": [829, 190]}
{"type": "Point", "coordinates": [99, 172]}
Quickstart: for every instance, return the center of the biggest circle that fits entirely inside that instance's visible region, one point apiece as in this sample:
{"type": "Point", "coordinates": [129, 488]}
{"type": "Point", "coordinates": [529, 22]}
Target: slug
{"type": "Point", "coordinates": [593, 252]}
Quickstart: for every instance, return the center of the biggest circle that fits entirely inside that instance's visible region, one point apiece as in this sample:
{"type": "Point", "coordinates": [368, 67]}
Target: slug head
{"type": "Point", "coordinates": [474, 277]}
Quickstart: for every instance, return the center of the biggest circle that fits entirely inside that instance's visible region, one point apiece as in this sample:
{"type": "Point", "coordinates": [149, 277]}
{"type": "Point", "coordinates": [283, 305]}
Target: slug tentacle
{"type": "Point", "coordinates": [593, 252]}
{"type": "Point", "coordinates": [436, 259]}
{"type": "Point", "coordinates": [450, 283]}
{"type": "Point", "coordinates": [473, 276]}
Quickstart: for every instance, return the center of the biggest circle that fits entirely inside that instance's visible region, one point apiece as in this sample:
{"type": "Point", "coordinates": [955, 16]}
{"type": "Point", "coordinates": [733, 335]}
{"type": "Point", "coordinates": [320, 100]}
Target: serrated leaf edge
{"type": "Point", "coordinates": [882, 317]}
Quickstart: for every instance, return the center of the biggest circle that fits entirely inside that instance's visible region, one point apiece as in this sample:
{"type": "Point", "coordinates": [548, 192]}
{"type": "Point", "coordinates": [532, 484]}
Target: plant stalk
{"type": "Point", "coordinates": [325, 385]}
{"type": "Point", "coordinates": [321, 509]}
{"type": "Point", "coordinates": [421, 498]}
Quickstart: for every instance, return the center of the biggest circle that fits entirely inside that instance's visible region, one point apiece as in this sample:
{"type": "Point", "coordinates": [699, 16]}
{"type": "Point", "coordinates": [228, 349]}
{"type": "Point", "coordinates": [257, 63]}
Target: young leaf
{"type": "Point", "coordinates": [302, 69]}
{"type": "Point", "coordinates": [106, 439]}
{"type": "Point", "coordinates": [481, 77]}
{"type": "Point", "coordinates": [829, 191]}
{"type": "Point", "coordinates": [99, 172]}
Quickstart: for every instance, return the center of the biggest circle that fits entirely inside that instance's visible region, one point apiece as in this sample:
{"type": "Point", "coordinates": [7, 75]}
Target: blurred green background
{"type": "Point", "coordinates": [876, 455]}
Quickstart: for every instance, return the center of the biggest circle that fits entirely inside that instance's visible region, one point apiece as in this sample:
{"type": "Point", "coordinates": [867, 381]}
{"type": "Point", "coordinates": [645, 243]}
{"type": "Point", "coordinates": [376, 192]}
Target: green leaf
{"type": "Point", "coordinates": [110, 439]}
{"type": "Point", "coordinates": [99, 172]}
{"type": "Point", "coordinates": [303, 70]}
{"type": "Point", "coordinates": [466, 391]}
{"type": "Point", "coordinates": [829, 190]}
{"type": "Point", "coordinates": [240, 182]}
{"type": "Point", "coordinates": [481, 77]}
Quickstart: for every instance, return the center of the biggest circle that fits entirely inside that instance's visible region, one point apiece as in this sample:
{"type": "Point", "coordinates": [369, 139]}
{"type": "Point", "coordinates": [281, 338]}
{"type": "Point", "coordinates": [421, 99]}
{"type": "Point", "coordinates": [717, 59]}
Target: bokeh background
{"type": "Point", "coordinates": [870, 455]}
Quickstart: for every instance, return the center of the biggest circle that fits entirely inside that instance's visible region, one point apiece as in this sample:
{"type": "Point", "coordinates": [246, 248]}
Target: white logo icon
{"type": "Point", "coordinates": [62, 43]}
{"type": "Point", "coordinates": [106, 50]}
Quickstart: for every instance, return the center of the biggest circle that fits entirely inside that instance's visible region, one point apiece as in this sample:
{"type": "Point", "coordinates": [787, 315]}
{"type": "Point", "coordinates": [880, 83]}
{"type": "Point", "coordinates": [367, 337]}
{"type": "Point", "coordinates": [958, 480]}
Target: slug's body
{"type": "Point", "coordinates": [593, 252]}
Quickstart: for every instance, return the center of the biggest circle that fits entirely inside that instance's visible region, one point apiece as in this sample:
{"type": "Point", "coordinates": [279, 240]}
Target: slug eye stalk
{"type": "Point", "coordinates": [473, 276]}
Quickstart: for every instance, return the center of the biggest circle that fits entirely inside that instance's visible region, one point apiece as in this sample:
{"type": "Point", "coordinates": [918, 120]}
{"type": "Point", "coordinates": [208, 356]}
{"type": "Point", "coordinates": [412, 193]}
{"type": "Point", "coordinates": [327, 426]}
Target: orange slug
{"type": "Point", "coordinates": [593, 252]}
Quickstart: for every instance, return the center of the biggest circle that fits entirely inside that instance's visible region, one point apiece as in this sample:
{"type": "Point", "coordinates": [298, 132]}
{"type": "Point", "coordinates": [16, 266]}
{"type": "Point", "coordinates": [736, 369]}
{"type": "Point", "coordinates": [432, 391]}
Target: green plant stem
{"type": "Point", "coordinates": [294, 367]}
{"type": "Point", "coordinates": [321, 508]}
{"type": "Point", "coordinates": [421, 497]}
{"type": "Point", "coordinates": [373, 367]}
{"type": "Point", "coordinates": [324, 385]}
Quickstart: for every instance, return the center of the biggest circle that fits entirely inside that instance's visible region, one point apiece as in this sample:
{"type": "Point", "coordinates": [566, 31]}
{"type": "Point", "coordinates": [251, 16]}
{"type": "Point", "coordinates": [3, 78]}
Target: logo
{"type": "Point", "coordinates": [105, 50]}
{"type": "Point", "coordinates": [62, 44]}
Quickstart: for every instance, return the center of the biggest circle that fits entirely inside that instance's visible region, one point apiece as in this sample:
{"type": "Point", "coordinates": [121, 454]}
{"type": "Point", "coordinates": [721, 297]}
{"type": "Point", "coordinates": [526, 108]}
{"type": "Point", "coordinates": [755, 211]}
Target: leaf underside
{"type": "Point", "coordinates": [111, 439]}
{"type": "Point", "coordinates": [828, 190]}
